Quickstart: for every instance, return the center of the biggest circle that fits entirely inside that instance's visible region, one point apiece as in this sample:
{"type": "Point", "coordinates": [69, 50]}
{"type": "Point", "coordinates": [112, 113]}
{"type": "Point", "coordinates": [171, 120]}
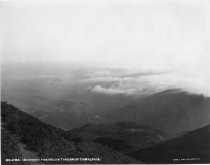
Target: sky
{"type": "Point", "coordinates": [171, 35]}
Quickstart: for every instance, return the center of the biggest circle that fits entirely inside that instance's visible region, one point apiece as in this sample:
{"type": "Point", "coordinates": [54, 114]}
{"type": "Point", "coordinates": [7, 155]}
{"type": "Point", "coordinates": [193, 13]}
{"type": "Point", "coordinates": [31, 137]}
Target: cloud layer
{"type": "Point", "coordinates": [194, 83]}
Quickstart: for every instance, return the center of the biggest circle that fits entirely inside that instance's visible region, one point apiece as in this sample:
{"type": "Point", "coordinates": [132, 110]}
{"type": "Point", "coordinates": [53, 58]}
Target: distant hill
{"type": "Point", "coordinates": [65, 113]}
{"type": "Point", "coordinates": [125, 137]}
{"type": "Point", "coordinates": [172, 111]}
{"type": "Point", "coordinates": [193, 147]}
{"type": "Point", "coordinates": [50, 142]}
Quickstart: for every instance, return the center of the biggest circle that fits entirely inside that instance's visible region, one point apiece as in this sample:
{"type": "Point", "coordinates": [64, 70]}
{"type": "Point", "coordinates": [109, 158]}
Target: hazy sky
{"type": "Point", "coordinates": [165, 33]}
{"type": "Point", "coordinates": [171, 35]}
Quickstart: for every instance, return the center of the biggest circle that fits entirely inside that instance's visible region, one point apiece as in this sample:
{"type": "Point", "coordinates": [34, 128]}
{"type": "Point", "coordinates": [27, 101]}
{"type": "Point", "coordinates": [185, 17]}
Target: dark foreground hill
{"type": "Point", "coordinates": [50, 142]}
{"type": "Point", "coordinates": [171, 111]}
{"type": "Point", "coordinates": [193, 147]}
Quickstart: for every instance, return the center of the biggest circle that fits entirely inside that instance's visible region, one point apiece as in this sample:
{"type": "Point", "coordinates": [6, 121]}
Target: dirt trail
{"type": "Point", "coordinates": [27, 154]}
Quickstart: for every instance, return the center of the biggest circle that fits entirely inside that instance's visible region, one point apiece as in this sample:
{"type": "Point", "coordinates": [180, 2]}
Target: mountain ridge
{"type": "Point", "coordinates": [171, 111]}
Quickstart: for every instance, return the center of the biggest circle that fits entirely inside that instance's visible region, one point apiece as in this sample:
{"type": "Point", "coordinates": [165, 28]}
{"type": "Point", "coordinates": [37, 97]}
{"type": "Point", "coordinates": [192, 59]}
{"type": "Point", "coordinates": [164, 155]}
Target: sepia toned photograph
{"type": "Point", "coordinates": [105, 82]}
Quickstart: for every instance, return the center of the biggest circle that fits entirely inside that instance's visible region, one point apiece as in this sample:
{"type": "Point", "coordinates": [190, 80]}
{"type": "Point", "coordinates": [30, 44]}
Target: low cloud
{"type": "Point", "coordinates": [194, 83]}
{"type": "Point", "coordinates": [128, 87]}
{"type": "Point", "coordinates": [107, 79]}
{"type": "Point", "coordinates": [112, 91]}
{"type": "Point", "coordinates": [130, 83]}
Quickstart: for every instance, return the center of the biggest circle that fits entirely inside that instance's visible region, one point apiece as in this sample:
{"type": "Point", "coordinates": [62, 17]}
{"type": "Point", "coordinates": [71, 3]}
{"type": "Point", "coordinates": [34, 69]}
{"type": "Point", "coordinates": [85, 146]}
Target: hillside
{"type": "Point", "coordinates": [50, 142]}
{"type": "Point", "coordinates": [193, 147]}
{"type": "Point", "coordinates": [172, 111]}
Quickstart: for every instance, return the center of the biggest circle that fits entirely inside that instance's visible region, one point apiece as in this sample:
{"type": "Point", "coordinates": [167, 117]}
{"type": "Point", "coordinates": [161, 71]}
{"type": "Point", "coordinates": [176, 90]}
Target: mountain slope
{"type": "Point", "coordinates": [50, 142]}
{"type": "Point", "coordinates": [193, 147]}
{"type": "Point", "coordinates": [171, 111]}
